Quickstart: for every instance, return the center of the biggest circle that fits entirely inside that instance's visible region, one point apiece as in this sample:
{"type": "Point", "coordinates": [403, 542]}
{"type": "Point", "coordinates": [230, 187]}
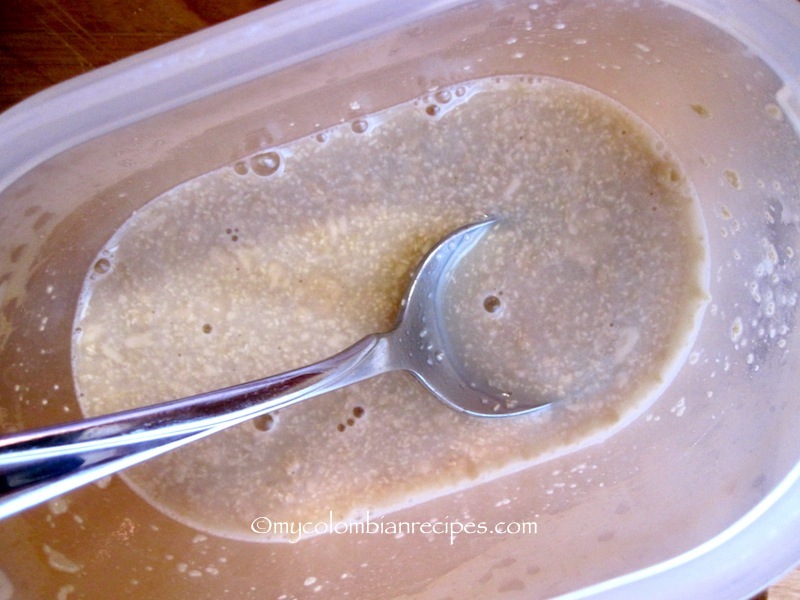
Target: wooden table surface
{"type": "Point", "coordinates": [43, 42]}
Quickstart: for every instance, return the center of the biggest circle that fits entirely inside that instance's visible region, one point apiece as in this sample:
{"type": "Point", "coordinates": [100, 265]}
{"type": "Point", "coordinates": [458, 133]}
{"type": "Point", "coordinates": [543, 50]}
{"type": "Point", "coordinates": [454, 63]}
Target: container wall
{"type": "Point", "coordinates": [704, 454]}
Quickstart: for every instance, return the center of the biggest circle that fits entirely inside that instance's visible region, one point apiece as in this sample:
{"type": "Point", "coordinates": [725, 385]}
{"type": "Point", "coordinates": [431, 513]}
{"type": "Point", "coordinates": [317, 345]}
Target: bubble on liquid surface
{"type": "Point", "coordinates": [492, 304]}
{"type": "Point", "coordinates": [360, 126]}
{"type": "Point", "coordinates": [264, 422]}
{"type": "Point", "coordinates": [102, 266]}
{"type": "Point", "coordinates": [774, 111]}
{"type": "Point", "coordinates": [266, 163]}
{"type": "Point", "coordinates": [443, 96]}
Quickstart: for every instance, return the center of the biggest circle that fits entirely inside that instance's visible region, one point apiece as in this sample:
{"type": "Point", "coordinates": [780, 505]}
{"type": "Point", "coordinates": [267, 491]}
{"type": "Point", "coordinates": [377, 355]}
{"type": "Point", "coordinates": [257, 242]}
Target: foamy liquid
{"type": "Point", "coordinates": [588, 292]}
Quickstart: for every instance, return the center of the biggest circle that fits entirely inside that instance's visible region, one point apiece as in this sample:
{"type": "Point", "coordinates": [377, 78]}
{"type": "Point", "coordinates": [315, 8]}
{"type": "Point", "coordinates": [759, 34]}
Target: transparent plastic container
{"type": "Point", "coordinates": [697, 498]}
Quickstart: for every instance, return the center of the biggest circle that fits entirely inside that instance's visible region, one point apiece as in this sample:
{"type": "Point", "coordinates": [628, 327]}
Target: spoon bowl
{"type": "Point", "coordinates": [420, 338]}
{"type": "Point", "coordinates": [40, 464]}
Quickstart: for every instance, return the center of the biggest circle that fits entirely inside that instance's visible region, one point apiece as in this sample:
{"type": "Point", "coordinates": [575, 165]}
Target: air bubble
{"type": "Point", "coordinates": [102, 266]}
{"type": "Point", "coordinates": [359, 126]}
{"type": "Point", "coordinates": [241, 168]}
{"type": "Point", "coordinates": [432, 110]}
{"type": "Point", "coordinates": [443, 96]}
{"type": "Point", "coordinates": [266, 164]}
{"type": "Point", "coordinates": [774, 111]}
{"type": "Point", "coordinates": [264, 422]}
{"type": "Point", "coordinates": [492, 304]}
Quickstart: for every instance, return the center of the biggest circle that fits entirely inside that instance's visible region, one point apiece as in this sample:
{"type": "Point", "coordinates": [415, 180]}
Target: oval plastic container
{"type": "Point", "coordinates": [697, 498]}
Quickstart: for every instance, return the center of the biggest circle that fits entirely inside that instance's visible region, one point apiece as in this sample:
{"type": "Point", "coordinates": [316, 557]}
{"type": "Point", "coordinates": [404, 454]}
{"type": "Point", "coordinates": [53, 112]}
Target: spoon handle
{"type": "Point", "coordinates": [40, 464]}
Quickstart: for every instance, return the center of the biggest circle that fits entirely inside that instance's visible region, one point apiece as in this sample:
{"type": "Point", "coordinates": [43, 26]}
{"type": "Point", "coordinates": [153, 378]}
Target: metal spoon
{"type": "Point", "coordinates": [40, 464]}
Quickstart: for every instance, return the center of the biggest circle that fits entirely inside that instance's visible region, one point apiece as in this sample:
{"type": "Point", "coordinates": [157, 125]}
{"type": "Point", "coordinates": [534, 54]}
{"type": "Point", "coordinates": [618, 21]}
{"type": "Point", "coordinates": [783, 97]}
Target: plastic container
{"type": "Point", "coordinates": [697, 498]}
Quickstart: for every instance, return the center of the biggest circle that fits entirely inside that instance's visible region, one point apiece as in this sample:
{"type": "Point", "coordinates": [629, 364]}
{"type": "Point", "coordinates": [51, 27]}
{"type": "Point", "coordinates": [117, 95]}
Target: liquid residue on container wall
{"type": "Point", "coordinates": [59, 561]}
{"type": "Point", "coordinates": [6, 587]}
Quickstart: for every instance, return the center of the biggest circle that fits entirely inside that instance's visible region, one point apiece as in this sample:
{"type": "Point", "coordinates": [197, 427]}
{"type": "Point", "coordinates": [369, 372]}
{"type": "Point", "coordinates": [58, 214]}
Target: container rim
{"type": "Point", "coordinates": [230, 53]}
{"type": "Point", "coordinates": [189, 68]}
{"type": "Point", "coordinates": [740, 561]}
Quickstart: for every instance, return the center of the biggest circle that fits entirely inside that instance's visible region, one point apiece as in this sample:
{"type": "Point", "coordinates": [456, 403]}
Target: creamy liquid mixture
{"type": "Point", "coordinates": [587, 292]}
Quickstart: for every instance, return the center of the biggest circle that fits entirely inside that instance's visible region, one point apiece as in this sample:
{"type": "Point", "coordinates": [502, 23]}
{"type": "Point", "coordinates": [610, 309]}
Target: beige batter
{"type": "Point", "coordinates": [587, 292]}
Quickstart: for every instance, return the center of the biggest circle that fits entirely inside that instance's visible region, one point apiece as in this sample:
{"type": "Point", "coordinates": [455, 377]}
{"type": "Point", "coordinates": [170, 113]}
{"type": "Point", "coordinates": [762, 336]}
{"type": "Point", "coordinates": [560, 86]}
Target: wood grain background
{"type": "Point", "coordinates": [43, 42]}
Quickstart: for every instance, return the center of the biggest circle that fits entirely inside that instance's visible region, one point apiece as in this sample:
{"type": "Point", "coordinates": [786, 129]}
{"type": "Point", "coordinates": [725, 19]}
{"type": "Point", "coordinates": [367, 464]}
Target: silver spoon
{"type": "Point", "coordinates": [40, 464]}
